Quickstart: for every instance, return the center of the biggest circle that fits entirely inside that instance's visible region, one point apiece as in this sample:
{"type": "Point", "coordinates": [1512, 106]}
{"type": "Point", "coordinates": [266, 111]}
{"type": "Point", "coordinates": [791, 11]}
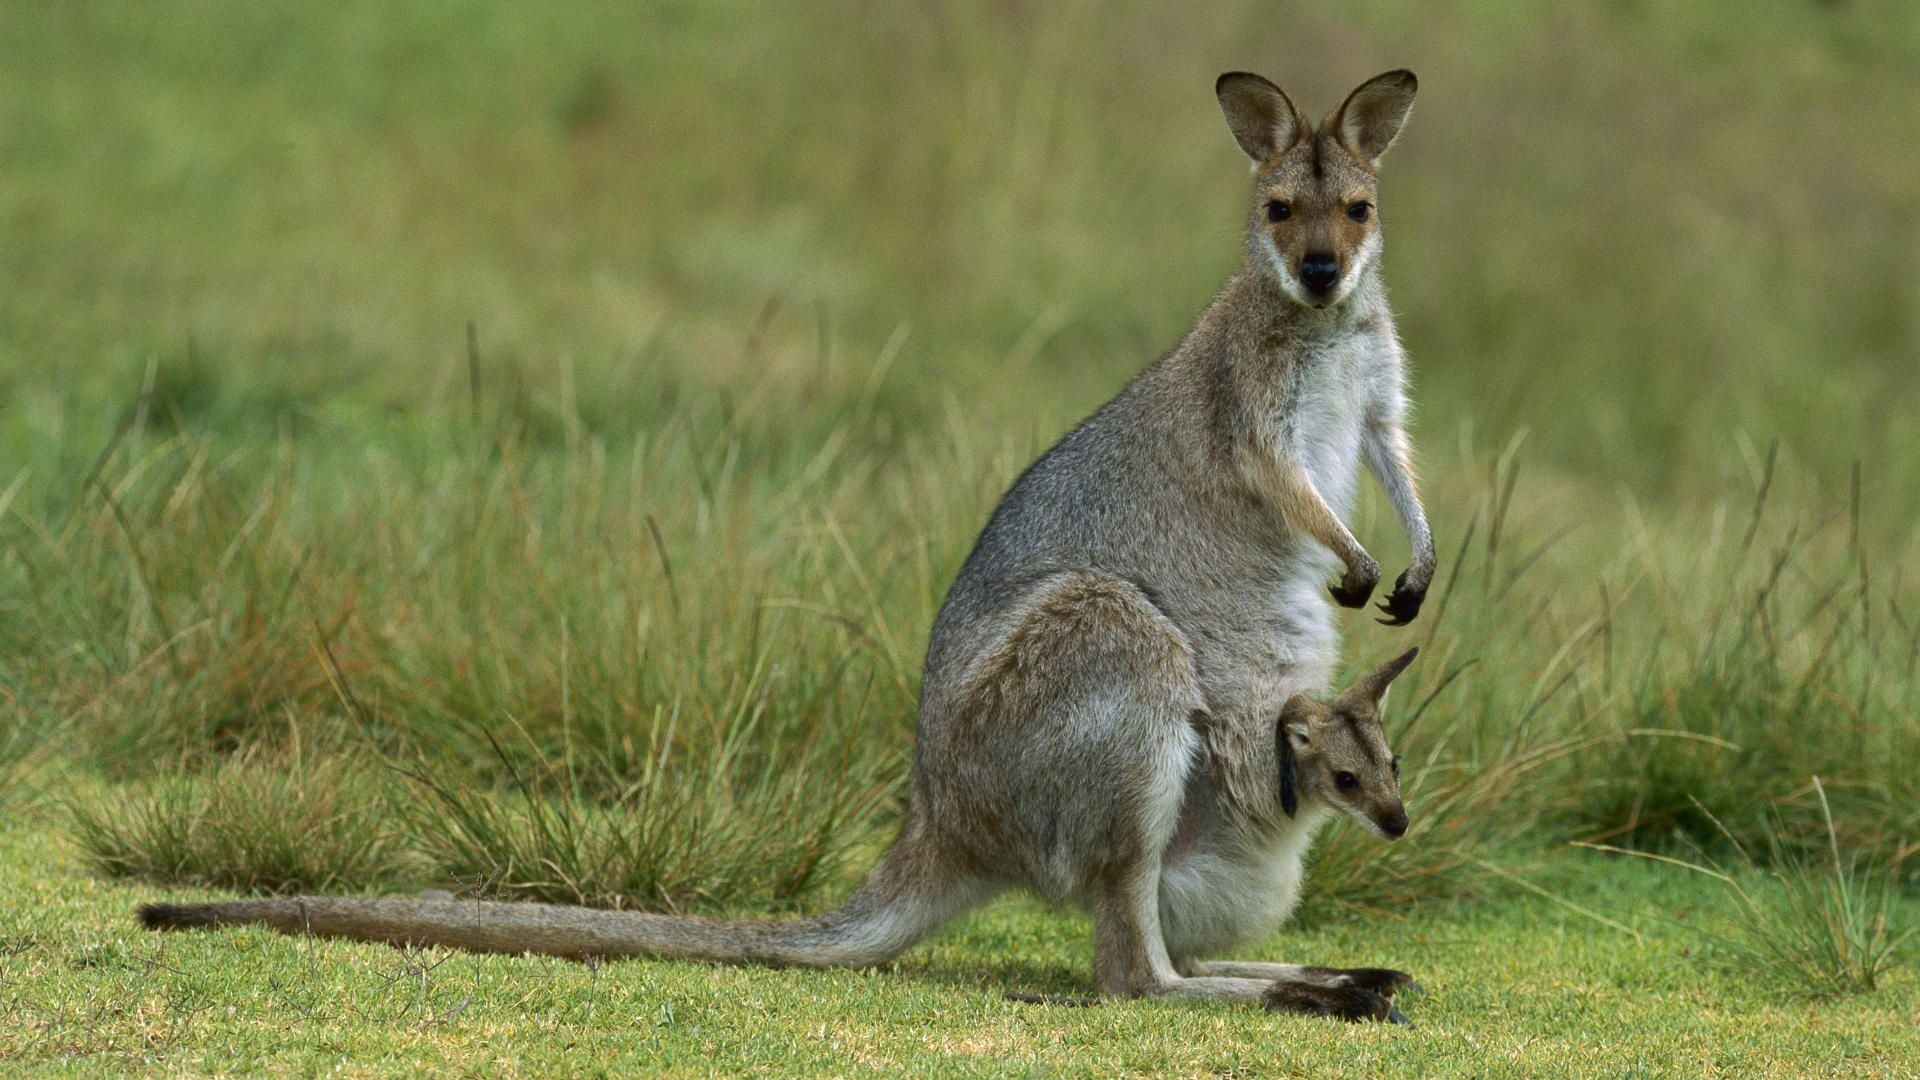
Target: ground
{"type": "Point", "coordinates": [1519, 984]}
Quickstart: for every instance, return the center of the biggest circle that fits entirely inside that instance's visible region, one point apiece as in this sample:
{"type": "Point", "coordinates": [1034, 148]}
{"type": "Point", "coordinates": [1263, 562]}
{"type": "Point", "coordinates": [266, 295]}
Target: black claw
{"type": "Point", "coordinates": [1402, 605]}
{"type": "Point", "coordinates": [1395, 1016]}
{"type": "Point", "coordinates": [1352, 598]}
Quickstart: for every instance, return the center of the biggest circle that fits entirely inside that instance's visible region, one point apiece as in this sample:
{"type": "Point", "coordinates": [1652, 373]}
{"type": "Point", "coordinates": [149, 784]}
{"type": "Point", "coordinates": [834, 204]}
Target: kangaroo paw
{"type": "Point", "coordinates": [1403, 604]}
{"type": "Point", "coordinates": [1353, 598]}
{"type": "Point", "coordinates": [1354, 590]}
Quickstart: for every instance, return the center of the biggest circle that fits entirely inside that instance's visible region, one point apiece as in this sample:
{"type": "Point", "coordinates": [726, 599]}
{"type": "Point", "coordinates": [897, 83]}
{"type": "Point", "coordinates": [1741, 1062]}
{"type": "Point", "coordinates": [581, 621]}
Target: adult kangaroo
{"type": "Point", "coordinates": [1124, 702]}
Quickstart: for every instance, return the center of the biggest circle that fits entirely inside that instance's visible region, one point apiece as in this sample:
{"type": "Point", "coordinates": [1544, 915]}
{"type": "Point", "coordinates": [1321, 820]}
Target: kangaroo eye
{"type": "Point", "coordinates": [1359, 211]}
{"type": "Point", "coordinates": [1278, 211]}
{"type": "Point", "coordinates": [1395, 765]}
{"type": "Point", "coordinates": [1346, 781]}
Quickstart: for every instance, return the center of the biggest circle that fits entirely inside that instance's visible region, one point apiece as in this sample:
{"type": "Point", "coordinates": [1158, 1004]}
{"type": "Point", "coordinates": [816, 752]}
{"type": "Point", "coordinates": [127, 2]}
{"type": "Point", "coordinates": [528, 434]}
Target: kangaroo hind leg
{"type": "Point", "coordinates": [1092, 695]}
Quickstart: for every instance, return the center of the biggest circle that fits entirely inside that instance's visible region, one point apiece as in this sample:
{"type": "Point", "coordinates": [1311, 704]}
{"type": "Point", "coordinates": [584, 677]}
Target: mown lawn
{"type": "Point", "coordinates": [1515, 985]}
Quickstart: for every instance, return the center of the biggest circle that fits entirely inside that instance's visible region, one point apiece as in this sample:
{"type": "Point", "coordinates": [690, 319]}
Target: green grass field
{"type": "Point", "coordinates": [1521, 987]}
{"type": "Point", "coordinates": [464, 446]}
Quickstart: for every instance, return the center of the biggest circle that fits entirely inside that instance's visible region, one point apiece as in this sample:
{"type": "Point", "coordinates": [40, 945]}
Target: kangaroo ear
{"type": "Point", "coordinates": [1260, 115]}
{"type": "Point", "coordinates": [1372, 688]}
{"type": "Point", "coordinates": [1367, 122]}
{"type": "Point", "coordinates": [1294, 719]}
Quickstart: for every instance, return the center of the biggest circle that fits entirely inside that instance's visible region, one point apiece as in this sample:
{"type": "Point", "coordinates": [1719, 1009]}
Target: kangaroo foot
{"type": "Point", "coordinates": [1350, 1003]}
{"type": "Point", "coordinates": [1383, 981]}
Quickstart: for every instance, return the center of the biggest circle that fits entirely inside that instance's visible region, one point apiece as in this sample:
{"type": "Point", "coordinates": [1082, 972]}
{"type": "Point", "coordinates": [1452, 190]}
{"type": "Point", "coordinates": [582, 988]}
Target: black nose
{"type": "Point", "coordinates": [1319, 272]}
{"type": "Point", "coordinates": [1395, 826]}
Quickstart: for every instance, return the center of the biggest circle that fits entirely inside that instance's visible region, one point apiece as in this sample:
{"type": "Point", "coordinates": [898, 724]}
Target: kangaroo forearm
{"type": "Point", "coordinates": [1287, 490]}
{"type": "Point", "coordinates": [1391, 462]}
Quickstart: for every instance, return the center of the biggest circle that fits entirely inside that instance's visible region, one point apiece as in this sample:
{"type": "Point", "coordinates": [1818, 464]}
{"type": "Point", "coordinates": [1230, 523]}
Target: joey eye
{"type": "Point", "coordinates": [1278, 211]}
{"type": "Point", "coordinates": [1346, 781]}
{"type": "Point", "coordinates": [1359, 211]}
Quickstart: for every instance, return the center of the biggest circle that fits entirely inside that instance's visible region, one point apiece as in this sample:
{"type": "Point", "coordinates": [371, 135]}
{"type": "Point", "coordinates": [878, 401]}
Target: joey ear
{"type": "Point", "coordinates": [1372, 687]}
{"type": "Point", "coordinates": [1294, 718]}
{"type": "Point", "coordinates": [1298, 714]}
{"type": "Point", "coordinates": [1367, 122]}
{"type": "Point", "coordinates": [1260, 115]}
{"type": "Point", "coordinates": [1289, 769]}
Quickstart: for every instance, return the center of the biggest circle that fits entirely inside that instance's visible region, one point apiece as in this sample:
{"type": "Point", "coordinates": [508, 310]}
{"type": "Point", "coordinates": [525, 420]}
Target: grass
{"type": "Point", "coordinates": [1818, 926]}
{"type": "Point", "coordinates": [442, 447]}
{"type": "Point", "coordinates": [1519, 986]}
{"type": "Point", "coordinates": [304, 819]}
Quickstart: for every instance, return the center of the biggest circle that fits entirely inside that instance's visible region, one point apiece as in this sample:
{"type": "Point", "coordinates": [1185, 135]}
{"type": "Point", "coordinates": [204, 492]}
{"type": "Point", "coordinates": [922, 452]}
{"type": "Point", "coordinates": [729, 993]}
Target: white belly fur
{"type": "Point", "coordinates": [1327, 418]}
{"type": "Point", "coordinates": [1216, 899]}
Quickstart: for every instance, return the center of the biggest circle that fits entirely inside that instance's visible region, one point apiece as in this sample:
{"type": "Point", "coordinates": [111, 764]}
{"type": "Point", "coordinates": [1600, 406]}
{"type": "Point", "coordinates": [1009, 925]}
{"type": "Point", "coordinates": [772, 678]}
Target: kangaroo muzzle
{"type": "Point", "coordinates": [1319, 273]}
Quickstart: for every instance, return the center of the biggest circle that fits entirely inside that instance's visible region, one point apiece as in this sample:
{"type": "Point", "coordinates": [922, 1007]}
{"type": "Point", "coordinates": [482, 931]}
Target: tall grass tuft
{"type": "Point", "coordinates": [1770, 657]}
{"type": "Point", "coordinates": [680, 674]}
{"type": "Point", "coordinates": [695, 820]}
{"type": "Point", "coordinates": [1813, 924]}
{"type": "Point", "coordinates": [301, 819]}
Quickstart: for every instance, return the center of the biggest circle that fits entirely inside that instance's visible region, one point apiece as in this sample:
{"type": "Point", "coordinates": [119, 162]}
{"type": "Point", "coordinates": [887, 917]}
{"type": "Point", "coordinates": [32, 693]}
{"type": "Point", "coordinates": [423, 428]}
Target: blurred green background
{"type": "Point", "coordinates": [1653, 236]}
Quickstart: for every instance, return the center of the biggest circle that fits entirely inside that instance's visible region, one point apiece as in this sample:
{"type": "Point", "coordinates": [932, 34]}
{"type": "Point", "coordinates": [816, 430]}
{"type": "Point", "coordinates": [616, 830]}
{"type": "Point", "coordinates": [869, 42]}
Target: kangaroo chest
{"type": "Point", "coordinates": [1259, 615]}
{"type": "Point", "coordinates": [1323, 413]}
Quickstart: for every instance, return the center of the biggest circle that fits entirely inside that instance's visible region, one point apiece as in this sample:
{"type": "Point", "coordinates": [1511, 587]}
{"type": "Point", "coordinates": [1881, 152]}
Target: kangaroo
{"type": "Point", "coordinates": [1124, 699]}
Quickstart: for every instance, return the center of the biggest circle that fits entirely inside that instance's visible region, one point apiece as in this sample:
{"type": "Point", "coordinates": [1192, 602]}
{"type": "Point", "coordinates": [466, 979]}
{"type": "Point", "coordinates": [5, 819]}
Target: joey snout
{"type": "Point", "coordinates": [1391, 821]}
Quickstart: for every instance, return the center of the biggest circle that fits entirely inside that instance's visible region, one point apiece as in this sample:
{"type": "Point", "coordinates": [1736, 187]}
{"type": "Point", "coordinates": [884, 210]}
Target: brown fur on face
{"type": "Point", "coordinates": [1323, 741]}
{"type": "Point", "coordinates": [1314, 226]}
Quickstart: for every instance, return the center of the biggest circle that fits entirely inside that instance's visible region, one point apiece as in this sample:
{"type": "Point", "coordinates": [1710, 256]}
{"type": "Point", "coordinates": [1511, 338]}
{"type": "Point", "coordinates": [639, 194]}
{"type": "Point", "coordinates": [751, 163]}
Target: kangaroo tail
{"type": "Point", "coordinates": [898, 905]}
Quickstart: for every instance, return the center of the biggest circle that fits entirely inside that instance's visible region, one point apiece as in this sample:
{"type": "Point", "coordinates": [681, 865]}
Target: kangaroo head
{"type": "Point", "coordinates": [1335, 753]}
{"type": "Point", "coordinates": [1315, 224]}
